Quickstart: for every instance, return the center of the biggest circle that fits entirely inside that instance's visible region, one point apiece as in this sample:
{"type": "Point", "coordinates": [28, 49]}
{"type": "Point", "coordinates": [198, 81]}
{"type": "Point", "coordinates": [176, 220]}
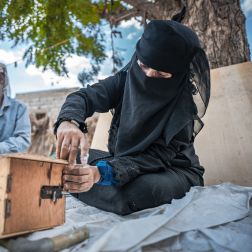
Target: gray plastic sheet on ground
{"type": "Point", "coordinates": [211, 218]}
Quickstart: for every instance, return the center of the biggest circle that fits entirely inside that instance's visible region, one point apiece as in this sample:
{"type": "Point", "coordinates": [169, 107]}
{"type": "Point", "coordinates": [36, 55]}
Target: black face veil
{"type": "Point", "coordinates": [154, 108]}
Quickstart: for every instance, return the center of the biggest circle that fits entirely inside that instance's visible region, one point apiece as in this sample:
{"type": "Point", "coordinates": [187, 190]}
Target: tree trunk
{"type": "Point", "coordinates": [220, 25]}
{"type": "Point", "coordinates": [221, 28]}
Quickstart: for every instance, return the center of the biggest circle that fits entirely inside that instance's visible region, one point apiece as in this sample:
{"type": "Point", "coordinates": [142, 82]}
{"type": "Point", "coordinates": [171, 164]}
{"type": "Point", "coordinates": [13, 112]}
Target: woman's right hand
{"type": "Point", "coordinates": [69, 139]}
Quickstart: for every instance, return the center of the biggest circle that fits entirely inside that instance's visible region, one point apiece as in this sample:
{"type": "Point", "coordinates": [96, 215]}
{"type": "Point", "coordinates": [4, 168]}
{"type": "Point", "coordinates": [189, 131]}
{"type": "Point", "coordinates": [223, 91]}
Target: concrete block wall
{"type": "Point", "coordinates": [49, 101]}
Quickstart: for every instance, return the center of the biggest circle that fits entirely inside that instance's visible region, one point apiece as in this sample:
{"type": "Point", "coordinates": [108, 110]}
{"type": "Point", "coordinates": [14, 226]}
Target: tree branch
{"type": "Point", "coordinates": [144, 7]}
{"type": "Point", "coordinates": [125, 15]}
{"type": "Point", "coordinates": [160, 9]}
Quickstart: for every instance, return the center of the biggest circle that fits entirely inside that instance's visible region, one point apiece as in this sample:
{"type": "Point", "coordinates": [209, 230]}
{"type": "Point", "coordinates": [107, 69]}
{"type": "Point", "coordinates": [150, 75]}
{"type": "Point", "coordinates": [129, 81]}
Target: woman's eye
{"type": "Point", "coordinates": [165, 75]}
{"type": "Point", "coordinates": [161, 75]}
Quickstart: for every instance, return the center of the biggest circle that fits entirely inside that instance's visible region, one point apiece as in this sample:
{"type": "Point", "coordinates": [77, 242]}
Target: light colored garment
{"type": "Point", "coordinates": [15, 126]}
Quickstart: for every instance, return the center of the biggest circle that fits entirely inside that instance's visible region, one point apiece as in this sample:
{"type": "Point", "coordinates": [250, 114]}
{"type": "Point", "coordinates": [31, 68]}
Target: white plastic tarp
{"type": "Point", "coordinates": [211, 218]}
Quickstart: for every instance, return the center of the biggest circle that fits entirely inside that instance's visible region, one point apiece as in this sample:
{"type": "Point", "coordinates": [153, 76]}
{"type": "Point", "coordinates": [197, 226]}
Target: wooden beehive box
{"type": "Point", "coordinates": [30, 194]}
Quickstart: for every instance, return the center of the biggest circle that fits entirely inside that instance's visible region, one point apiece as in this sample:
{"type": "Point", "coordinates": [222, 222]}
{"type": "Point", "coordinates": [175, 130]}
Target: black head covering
{"type": "Point", "coordinates": [154, 108]}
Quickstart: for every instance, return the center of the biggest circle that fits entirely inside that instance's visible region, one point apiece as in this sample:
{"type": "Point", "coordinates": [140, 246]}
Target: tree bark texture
{"type": "Point", "coordinates": [220, 25]}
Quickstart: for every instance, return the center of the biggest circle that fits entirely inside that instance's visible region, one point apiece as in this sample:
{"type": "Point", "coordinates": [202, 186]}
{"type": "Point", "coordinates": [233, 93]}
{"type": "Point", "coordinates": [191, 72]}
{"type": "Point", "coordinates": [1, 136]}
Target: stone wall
{"type": "Point", "coordinates": [46, 102]}
{"type": "Point", "coordinates": [44, 107]}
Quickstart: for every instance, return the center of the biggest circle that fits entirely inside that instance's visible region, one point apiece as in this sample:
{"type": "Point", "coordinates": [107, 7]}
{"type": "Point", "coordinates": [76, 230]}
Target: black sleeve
{"type": "Point", "coordinates": [158, 157]}
{"type": "Point", "coordinates": [99, 97]}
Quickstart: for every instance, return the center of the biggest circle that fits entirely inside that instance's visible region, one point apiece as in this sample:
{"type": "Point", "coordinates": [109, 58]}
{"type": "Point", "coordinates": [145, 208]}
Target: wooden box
{"type": "Point", "coordinates": [30, 194]}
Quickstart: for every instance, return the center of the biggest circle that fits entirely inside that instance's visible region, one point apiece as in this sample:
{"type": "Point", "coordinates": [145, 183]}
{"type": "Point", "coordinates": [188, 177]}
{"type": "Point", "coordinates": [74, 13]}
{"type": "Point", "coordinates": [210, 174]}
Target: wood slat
{"type": "Point", "coordinates": [4, 171]}
{"type": "Point", "coordinates": [34, 157]}
{"type": "Point", "coordinates": [225, 143]}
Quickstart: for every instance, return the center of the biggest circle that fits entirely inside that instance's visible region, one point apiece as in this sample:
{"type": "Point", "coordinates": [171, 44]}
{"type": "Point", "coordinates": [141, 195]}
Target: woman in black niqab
{"type": "Point", "coordinates": [151, 158]}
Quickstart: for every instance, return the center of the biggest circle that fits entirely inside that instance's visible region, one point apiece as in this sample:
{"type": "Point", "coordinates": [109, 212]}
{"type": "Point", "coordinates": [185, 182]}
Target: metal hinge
{"type": "Point", "coordinates": [51, 192]}
{"type": "Point", "coordinates": [7, 208]}
{"type": "Point", "coordinates": [9, 183]}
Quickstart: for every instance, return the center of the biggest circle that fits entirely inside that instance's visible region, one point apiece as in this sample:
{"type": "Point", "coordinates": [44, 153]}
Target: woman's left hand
{"type": "Point", "coordinates": [79, 178]}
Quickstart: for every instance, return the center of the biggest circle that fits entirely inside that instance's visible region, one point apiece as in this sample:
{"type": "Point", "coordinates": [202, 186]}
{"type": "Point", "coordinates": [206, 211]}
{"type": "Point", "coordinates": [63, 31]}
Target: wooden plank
{"type": "Point", "coordinates": [34, 157]}
{"type": "Point", "coordinates": [28, 211]}
{"type": "Point", "coordinates": [4, 171]}
{"type": "Point", "coordinates": [100, 138]}
{"type": "Point", "coordinates": [225, 143]}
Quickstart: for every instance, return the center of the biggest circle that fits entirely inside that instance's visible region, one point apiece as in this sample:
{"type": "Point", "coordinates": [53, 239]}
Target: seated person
{"type": "Point", "coordinates": [15, 127]}
{"type": "Point", "coordinates": [151, 158]}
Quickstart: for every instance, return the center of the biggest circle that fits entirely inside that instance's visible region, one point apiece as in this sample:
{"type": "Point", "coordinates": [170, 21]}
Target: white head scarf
{"type": "Point", "coordinates": [7, 90]}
